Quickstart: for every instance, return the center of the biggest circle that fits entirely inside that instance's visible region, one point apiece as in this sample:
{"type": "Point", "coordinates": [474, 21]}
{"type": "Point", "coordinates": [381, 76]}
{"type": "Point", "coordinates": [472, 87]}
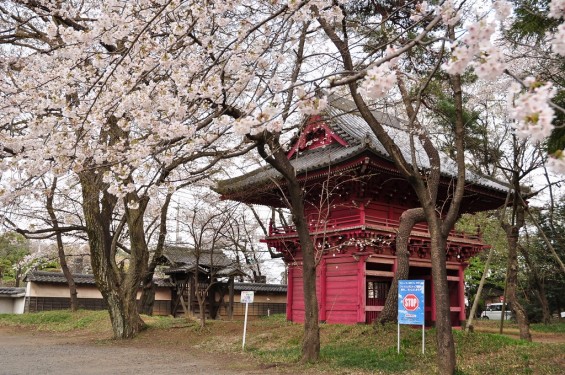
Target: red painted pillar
{"type": "Point", "coordinates": [289, 292]}
{"type": "Point", "coordinates": [323, 285]}
{"type": "Point", "coordinates": [361, 285]}
{"type": "Point", "coordinates": [362, 213]}
{"type": "Point", "coordinates": [461, 286]}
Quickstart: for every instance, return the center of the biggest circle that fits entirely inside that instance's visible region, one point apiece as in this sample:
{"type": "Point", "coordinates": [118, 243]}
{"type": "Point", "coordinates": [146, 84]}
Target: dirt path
{"type": "Point", "coordinates": [30, 352]}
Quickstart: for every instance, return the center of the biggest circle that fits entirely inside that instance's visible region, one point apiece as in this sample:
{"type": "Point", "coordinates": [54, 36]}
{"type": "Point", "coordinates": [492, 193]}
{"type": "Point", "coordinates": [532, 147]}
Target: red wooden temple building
{"type": "Point", "coordinates": [354, 197]}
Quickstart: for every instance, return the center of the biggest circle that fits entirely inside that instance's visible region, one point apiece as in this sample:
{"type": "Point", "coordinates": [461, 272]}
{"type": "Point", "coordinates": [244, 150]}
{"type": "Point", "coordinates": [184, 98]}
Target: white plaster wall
{"type": "Point", "coordinates": [58, 290]}
{"type": "Point", "coordinates": [49, 290]}
{"type": "Point", "coordinates": [19, 305]}
{"type": "Point", "coordinates": [259, 297]}
{"type": "Point", "coordinates": [12, 305]}
{"type": "Point", "coordinates": [6, 305]}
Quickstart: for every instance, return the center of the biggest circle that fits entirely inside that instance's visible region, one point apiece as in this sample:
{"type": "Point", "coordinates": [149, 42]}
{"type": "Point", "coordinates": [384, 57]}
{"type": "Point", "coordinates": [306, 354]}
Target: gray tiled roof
{"type": "Point", "coordinates": [258, 287]}
{"type": "Point", "coordinates": [59, 277]}
{"type": "Point", "coordinates": [342, 118]}
{"type": "Point", "coordinates": [180, 256]}
{"type": "Point", "coordinates": [79, 279]}
{"type": "Point", "coordinates": [12, 292]}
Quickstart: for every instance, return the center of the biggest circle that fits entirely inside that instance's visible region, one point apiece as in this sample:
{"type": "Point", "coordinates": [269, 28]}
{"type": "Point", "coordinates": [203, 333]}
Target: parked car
{"type": "Point", "coordinates": [494, 312]}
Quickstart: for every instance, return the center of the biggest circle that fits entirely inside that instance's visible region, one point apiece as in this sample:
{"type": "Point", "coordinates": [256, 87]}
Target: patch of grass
{"type": "Point", "coordinates": [351, 356]}
{"type": "Point", "coordinates": [480, 343]}
{"type": "Point", "coordinates": [486, 353]}
{"type": "Point", "coordinates": [163, 322]}
{"type": "Point", "coordinates": [289, 354]}
{"type": "Point", "coordinates": [550, 328]}
{"type": "Point", "coordinates": [59, 320]}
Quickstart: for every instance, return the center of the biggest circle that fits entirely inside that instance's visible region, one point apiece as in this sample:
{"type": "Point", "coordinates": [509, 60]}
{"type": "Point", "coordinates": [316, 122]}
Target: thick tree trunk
{"type": "Point", "coordinates": [444, 335]}
{"type": "Point", "coordinates": [407, 221]}
{"type": "Point", "coordinates": [279, 161]}
{"type": "Point", "coordinates": [125, 319]}
{"type": "Point", "coordinates": [311, 339]}
{"type": "Point", "coordinates": [119, 289]}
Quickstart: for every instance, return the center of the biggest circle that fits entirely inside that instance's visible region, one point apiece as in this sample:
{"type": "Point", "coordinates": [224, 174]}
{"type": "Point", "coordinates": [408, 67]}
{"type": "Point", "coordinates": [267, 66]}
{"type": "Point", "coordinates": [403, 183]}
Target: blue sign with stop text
{"type": "Point", "coordinates": [411, 302]}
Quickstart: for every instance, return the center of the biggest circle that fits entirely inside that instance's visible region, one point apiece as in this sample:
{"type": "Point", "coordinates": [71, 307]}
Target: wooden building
{"type": "Point", "coordinates": [354, 197]}
{"type": "Point", "coordinates": [209, 273]}
{"type": "Point", "coordinates": [215, 280]}
{"type": "Point", "coordinates": [269, 299]}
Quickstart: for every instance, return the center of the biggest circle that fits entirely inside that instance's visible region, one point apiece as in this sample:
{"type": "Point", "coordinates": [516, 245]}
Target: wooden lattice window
{"type": "Point", "coordinates": [377, 292]}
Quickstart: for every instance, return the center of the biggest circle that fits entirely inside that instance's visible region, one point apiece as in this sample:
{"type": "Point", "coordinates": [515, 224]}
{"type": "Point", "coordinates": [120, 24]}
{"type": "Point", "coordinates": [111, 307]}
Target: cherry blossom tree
{"type": "Point", "coordinates": [131, 99]}
{"type": "Point", "coordinates": [127, 99]}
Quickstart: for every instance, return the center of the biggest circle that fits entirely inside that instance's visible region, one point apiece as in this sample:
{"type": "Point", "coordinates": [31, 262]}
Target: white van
{"type": "Point", "coordinates": [494, 312]}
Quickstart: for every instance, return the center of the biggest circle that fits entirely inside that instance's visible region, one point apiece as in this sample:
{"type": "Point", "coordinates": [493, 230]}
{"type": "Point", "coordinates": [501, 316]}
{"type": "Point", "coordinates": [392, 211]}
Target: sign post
{"type": "Point", "coordinates": [411, 306]}
{"type": "Point", "coordinates": [247, 298]}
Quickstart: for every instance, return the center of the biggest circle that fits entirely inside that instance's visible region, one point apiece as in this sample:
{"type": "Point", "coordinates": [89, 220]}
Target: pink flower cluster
{"type": "Point", "coordinates": [420, 11]}
{"type": "Point", "coordinates": [476, 42]}
{"type": "Point", "coordinates": [378, 81]}
{"type": "Point", "coordinates": [556, 162]}
{"type": "Point", "coordinates": [557, 10]}
{"type": "Point", "coordinates": [531, 109]}
{"type": "Point", "coordinates": [558, 42]}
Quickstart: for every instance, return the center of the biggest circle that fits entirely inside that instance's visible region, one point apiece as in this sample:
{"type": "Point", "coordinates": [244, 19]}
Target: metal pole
{"type": "Point", "coordinates": [244, 327]}
{"type": "Point", "coordinates": [398, 338]}
{"type": "Point", "coordinates": [423, 338]}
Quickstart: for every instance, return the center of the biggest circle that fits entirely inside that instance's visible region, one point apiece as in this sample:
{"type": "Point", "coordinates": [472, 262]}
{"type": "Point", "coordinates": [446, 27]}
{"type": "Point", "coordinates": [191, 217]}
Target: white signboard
{"type": "Point", "coordinates": [247, 296]}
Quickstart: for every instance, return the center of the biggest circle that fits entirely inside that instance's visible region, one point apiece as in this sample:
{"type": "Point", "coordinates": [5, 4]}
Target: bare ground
{"type": "Point", "coordinates": [31, 352]}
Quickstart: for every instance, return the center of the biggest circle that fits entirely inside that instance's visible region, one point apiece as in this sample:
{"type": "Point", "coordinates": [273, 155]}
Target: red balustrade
{"type": "Point", "coordinates": [351, 221]}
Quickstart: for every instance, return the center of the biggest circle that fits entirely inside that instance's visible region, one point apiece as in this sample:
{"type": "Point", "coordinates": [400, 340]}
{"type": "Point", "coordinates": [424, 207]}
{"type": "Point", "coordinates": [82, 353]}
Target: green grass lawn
{"type": "Point", "coordinates": [346, 349]}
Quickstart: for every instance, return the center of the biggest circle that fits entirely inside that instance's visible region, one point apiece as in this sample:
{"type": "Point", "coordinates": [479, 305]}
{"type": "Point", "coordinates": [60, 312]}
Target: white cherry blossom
{"type": "Point", "coordinates": [531, 110]}
{"type": "Point", "coordinates": [556, 162]}
{"type": "Point", "coordinates": [378, 81]}
{"type": "Point", "coordinates": [557, 8]}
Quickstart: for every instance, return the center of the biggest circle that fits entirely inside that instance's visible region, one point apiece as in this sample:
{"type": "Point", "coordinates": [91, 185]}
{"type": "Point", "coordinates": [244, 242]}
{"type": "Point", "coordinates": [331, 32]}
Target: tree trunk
{"type": "Point", "coordinates": [201, 307]}
{"type": "Point", "coordinates": [231, 295]}
{"type": "Point", "coordinates": [311, 339]}
{"type": "Point", "coordinates": [147, 298]}
{"type": "Point", "coordinates": [279, 161]}
{"type": "Point", "coordinates": [479, 292]}
{"type": "Point", "coordinates": [61, 249]}
{"type": "Point", "coordinates": [118, 289]}
{"type": "Point", "coordinates": [444, 336]}
{"type": "Point", "coordinates": [68, 275]}
{"type": "Point", "coordinates": [512, 233]}
{"type": "Point", "coordinates": [407, 221]}
{"type": "Point", "coordinates": [126, 322]}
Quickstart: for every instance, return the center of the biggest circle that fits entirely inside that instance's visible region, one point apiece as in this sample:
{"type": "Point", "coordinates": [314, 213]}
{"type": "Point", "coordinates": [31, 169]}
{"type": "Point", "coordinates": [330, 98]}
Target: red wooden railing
{"type": "Point", "coordinates": [343, 222]}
